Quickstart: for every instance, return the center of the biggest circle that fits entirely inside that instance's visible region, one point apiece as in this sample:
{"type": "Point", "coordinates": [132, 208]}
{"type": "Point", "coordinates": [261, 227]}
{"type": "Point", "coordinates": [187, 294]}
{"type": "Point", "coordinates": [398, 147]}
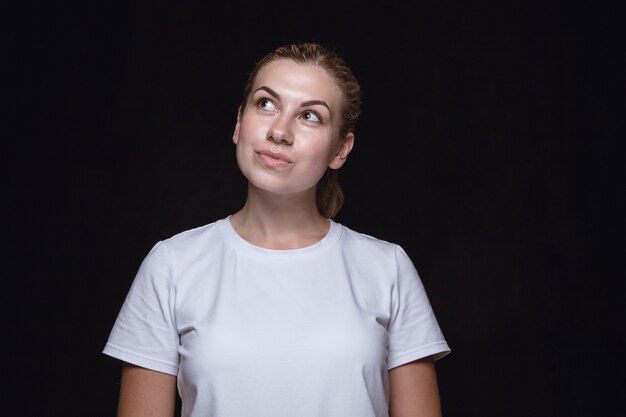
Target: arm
{"type": "Point", "coordinates": [146, 393]}
{"type": "Point", "coordinates": [413, 390]}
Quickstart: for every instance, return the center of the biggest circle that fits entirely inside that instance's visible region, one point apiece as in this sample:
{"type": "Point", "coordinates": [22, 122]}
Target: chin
{"type": "Point", "coordinates": [280, 187]}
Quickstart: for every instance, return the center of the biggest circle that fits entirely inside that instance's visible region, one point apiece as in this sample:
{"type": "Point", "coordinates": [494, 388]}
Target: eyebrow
{"type": "Point", "coordinates": [306, 103]}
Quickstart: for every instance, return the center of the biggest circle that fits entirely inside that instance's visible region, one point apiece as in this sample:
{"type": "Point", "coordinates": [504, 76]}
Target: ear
{"type": "Point", "coordinates": [237, 125]}
{"type": "Point", "coordinates": [342, 152]}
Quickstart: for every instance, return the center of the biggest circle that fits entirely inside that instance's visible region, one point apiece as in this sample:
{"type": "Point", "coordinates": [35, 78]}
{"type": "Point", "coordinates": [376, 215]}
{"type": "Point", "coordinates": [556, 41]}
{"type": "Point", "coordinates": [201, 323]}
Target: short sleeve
{"type": "Point", "coordinates": [413, 329]}
{"type": "Point", "coordinates": [145, 332]}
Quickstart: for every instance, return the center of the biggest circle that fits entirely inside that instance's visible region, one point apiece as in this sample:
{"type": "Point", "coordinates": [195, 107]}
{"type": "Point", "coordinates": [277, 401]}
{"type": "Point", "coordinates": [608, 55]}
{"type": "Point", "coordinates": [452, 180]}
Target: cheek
{"type": "Point", "coordinates": [246, 132]}
{"type": "Point", "coordinates": [252, 127]}
{"type": "Point", "coordinates": [327, 146]}
{"type": "Point", "coordinates": [322, 152]}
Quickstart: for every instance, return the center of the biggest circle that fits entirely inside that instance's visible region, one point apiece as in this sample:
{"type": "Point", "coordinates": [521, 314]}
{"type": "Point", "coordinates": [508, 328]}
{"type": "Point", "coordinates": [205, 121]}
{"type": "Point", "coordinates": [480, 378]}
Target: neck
{"type": "Point", "coordinates": [280, 221]}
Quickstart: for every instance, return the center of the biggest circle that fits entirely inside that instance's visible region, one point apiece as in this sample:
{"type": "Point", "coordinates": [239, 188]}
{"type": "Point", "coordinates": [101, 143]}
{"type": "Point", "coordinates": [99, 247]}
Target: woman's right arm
{"type": "Point", "coordinates": [144, 393]}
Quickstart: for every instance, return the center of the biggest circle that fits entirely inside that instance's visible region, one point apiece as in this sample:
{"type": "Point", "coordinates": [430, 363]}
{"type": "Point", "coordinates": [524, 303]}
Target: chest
{"type": "Point", "coordinates": [246, 315]}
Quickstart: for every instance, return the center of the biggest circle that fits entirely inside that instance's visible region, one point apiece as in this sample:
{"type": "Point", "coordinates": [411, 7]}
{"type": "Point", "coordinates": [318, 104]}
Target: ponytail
{"type": "Point", "coordinates": [329, 194]}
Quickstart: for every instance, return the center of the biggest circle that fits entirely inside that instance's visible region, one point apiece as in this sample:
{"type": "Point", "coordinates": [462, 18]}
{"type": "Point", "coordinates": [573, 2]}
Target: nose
{"type": "Point", "coordinates": [280, 131]}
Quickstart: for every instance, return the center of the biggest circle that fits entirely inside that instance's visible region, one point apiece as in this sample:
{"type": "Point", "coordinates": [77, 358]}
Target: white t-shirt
{"type": "Point", "coordinates": [254, 332]}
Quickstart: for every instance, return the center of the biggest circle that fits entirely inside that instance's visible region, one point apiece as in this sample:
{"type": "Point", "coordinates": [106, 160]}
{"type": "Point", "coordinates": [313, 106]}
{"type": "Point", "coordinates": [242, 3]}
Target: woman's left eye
{"type": "Point", "coordinates": [311, 117]}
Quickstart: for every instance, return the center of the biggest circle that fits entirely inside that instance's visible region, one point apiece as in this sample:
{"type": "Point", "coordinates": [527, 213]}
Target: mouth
{"type": "Point", "coordinates": [273, 160]}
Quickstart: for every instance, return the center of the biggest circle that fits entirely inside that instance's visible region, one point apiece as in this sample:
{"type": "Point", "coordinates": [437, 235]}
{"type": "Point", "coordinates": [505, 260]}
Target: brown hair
{"type": "Point", "coordinates": [329, 193]}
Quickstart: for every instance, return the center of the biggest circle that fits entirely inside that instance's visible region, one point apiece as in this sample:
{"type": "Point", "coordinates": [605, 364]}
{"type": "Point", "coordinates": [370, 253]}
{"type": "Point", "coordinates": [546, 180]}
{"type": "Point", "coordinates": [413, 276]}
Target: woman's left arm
{"type": "Point", "coordinates": [413, 390]}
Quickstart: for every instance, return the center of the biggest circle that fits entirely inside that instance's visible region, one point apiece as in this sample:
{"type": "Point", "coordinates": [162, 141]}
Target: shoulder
{"type": "Point", "coordinates": [188, 245]}
{"type": "Point", "coordinates": [197, 237]}
{"type": "Point", "coordinates": [370, 245]}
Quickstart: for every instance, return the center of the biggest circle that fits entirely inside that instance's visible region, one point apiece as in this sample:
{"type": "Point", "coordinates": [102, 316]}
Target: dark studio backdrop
{"type": "Point", "coordinates": [485, 149]}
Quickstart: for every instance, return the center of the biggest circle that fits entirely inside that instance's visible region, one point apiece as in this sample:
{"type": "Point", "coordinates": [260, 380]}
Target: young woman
{"type": "Point", "coordinates": [277, 310]}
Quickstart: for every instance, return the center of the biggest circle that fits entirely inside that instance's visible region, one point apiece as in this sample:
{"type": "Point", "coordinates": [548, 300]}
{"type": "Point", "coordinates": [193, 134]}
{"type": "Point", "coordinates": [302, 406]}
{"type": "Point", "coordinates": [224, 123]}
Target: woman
{"type": "Point", "coordinates": [277, 310]}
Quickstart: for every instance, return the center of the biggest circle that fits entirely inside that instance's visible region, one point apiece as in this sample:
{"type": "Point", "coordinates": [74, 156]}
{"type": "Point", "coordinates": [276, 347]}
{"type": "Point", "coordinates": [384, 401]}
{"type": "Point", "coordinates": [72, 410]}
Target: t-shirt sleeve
{"type": "Point", "coordinates": [413, 329]}
{"type": "Point", "coordinates": [145, 332]}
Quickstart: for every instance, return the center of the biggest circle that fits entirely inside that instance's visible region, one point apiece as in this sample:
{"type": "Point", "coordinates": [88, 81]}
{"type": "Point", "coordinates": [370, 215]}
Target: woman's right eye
{"type": "Point", "coordinates": [266, 104]}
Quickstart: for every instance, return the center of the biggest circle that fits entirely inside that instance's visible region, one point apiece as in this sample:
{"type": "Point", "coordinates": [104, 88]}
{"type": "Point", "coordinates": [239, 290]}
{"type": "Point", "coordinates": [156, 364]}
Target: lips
{"type": "Point", "coordinates": [273, 159]}
{"type": "Point", "coordinates": [275, 155]}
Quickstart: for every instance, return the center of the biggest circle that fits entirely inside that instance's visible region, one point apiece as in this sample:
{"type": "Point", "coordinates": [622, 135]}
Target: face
{"type": "Point", "coordinates": [288, 133]}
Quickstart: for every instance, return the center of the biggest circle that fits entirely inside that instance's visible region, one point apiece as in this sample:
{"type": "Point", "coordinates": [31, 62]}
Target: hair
{"type": "Point", "coordinates": [329, 195]}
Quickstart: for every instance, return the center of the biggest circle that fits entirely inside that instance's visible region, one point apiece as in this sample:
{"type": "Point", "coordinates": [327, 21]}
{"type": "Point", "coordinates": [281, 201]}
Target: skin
{"type": "Point", "coordinates": [413, 390]}
{"type": "Point", "coordinates": [286, 137]}
{"type": "Point", "coordinates": [146, 393]}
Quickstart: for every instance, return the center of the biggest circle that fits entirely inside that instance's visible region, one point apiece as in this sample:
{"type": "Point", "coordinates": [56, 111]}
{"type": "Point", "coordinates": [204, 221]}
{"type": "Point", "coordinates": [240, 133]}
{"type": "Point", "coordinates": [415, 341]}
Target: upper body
{"type": "Point", "coordinates": [277, 310]}
{"type": "Point", "coordinates": [254, 331]}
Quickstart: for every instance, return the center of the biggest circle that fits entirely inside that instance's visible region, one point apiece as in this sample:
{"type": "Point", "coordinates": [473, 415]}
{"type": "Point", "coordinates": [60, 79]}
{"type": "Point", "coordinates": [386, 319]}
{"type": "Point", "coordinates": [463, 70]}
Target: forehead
{"type": "Point", "coordinates": [307, 81]}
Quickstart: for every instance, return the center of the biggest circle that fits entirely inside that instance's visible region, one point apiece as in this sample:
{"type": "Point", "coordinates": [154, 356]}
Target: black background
{"type": "Point", "coordinates": [487, 149]}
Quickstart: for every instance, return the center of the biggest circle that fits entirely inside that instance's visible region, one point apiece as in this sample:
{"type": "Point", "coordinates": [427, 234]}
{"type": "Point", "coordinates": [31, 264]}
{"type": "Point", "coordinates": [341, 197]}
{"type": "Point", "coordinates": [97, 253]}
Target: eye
{"type": "Point", "coordinates": [266, 104]}
{"type": "Point", "coordinates": [311, 117]}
